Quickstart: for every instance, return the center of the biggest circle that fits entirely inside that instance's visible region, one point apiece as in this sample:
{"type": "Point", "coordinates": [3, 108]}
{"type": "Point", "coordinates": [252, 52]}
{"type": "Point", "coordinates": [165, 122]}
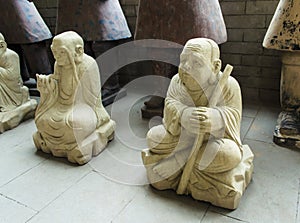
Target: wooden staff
{"type": "Point", "coordinates": [199, 139]}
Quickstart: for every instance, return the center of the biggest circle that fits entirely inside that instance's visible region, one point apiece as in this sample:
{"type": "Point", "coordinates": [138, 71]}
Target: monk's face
{"type": "Point", "coordinates": [60, 53]}
{"type": "Point", "coordinates": [194, 69]}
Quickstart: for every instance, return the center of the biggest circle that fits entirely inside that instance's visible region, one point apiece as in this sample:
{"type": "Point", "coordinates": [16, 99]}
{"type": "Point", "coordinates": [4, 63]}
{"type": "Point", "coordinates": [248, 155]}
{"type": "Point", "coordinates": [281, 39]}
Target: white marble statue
{"type": "Point", "coordinates": [15, 104]}
{"type": "Point", "coordinates": [197, 150]}
{"type": "Point", "coordinates": [70, 118]}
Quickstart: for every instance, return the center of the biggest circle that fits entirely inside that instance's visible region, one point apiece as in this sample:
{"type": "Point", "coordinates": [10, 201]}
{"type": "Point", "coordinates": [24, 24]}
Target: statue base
{"type": "Point", "coordinates": [223, 189]}
{"type": "Point", "coordinates": [11, 119]}
{"type": "Point", "coordinates": [149, 113]}
{"type": "Point", "coordinates": [107, 100]}
{"type": "Point", "coordinates": [287, 130]}
{"type": "Point", "coordinates": [289, 141]}
{"type": "Point", "coordinates": [82, 152]}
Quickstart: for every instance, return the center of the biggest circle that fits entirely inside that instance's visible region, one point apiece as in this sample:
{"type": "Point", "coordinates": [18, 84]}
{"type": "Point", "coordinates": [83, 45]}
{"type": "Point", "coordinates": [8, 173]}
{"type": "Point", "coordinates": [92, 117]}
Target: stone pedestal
{"type": "Point", "coordinates": [220, 189]}
{"type": "Point", "coordinates": [287, 131]}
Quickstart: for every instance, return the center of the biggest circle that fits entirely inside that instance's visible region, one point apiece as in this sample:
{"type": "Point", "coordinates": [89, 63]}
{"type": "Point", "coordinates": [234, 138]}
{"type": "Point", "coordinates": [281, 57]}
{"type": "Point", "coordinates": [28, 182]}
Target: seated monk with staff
{"type": "Point", "coordinates": [189, 112]}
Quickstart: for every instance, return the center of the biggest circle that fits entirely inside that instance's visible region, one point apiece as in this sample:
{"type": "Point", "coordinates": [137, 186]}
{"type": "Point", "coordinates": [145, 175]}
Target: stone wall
{"type": "Point", "coordinates": [257, 69]}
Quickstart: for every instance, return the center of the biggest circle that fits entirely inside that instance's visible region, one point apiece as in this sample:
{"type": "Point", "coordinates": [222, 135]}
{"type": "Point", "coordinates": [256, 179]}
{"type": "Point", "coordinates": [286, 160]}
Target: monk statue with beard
{"type": "Point", "coordinates": [70, 118]}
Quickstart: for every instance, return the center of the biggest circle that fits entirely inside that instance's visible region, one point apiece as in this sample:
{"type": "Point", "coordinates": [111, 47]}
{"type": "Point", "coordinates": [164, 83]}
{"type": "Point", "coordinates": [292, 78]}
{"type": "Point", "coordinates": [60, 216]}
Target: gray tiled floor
{"type": "Point", "coordinates": [35, 187]}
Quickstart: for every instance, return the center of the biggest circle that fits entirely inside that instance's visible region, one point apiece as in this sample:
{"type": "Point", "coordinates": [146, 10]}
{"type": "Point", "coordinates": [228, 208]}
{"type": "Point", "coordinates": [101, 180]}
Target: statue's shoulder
{"type": "Point", "coordinates": [11, 54]}
{"type": "Point", "coordinates": [232, 81]}
{"type": "Point", "coordinates": [176, 79]}
{"type": "Point", "coordinates": [233, 84]}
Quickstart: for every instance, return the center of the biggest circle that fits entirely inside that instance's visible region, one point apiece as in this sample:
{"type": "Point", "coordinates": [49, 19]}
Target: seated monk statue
{"type": "Point", "coordinates": [15, 104]}
{"type": "Point", "coordinates": [70, 118]}
{"type": "Point", "coordinates": [222, 166]}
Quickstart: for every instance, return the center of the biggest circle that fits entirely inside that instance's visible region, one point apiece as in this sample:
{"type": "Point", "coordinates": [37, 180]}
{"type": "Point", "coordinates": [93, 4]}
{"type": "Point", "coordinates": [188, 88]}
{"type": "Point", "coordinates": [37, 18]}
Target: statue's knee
{"type": "Point", "coordinates": [160, 140]}
{"type": "Point", "coordinates": [156, 134]}
{"type": "Point", "coordinates": [221, 155]}
{"type": "Point", "coordinates": [233, 152]}
{"type": "Point", "coordinates": [83, 118]}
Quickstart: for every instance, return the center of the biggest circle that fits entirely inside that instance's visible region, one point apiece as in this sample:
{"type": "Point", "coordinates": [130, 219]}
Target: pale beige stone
{"type": "Point", "coordinates": [197, 150]}
{"type": "Point", "coordinates": [15, 104]}
{"type": "Point", "coordinates": [70, 118]}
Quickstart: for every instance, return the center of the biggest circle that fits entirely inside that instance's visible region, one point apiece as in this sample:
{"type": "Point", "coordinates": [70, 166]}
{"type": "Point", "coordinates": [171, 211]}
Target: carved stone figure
{"type": "Point", "coordinates": [102, 25]}
{"type": "Point", "coordinates": [197, 150]}
{"type": "Point", "coordinates": [70, 118]}
{"type": "Point", "coordinates": [159, 19]}
{"type": "Point", "coordinates": [15, 104]}
{"type": "Point", "coordinates": [26, 33]}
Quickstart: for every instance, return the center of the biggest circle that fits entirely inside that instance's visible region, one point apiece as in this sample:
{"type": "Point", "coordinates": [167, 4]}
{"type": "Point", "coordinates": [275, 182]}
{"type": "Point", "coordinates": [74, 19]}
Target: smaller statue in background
{"type": "Point", "coordinates": [70, 118]}
{"type": "Point", "coordinates": [15, 104]}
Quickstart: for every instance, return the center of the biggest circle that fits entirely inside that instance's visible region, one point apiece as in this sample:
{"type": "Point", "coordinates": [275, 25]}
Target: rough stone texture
{"type": "Point", "coordinates": [246, 22]}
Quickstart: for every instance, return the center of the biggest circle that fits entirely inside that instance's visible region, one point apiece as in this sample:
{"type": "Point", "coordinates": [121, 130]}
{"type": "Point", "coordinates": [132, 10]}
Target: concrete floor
{"type": "Point", "coordinates": [36, 187]}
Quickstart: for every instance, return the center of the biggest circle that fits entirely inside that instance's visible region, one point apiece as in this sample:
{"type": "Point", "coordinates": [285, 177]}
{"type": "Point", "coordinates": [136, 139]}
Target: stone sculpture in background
{"type": "Point", "coordinates": [175, 21]}
{"type": "Point", "coordinates": [15, 104]}
{"type": "Point", "coordinates": [26, 33]}
{"type": "Point", "coordinates": [197, 150]}
{"type": "Point", "coordinates": [70, 118]}
{"type": "Point", "coordinates": [284, 34]}
{"type": "Point", "coordinates": [102, 25]}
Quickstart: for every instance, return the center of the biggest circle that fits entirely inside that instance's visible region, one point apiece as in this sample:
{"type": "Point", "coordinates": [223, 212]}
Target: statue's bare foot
{"type": "Point", "coordinates": [167, 168]}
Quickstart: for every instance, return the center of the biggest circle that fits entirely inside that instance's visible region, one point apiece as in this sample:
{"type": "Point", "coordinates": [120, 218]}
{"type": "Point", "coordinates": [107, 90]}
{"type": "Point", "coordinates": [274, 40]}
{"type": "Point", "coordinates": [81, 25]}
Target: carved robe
{"type": "Point", "coordinates": [73, 111]}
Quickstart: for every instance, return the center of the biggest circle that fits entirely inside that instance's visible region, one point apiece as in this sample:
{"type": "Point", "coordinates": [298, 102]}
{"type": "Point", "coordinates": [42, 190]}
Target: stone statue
{"type": "Point", "coordinates": [158, 19]}
{"type": "Point", "coordinates": [26, 33]}
{"type": "Point", "coordinates": [15, 104]}
{"type": "Point", "coordinates": [284, 34]}
{"type": "Point", "coordinates": [197, 150]}
{"type": "Point", "coordinates": [70, 118]}
{"type": "Point", "coordinates": [102, 25]}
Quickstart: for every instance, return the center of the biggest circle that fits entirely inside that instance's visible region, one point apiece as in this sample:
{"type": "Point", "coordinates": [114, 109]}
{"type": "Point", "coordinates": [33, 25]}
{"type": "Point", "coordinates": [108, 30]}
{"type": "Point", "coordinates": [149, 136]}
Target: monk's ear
{"type": "Point", "coordinates": [217, 64]}
{"type": "Point", "coordinates": [79, 50]}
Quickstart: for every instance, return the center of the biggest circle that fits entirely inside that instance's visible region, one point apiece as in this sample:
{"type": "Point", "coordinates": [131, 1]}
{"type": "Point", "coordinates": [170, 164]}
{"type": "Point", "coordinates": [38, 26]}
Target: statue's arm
{"type": "Point", "coordinates": [231, 111]}
{"type": "Point", "coordinates": [10, 70]}
{"type": "Point", "coordinates": [173, 111]}
{"type": "Point", "coordinates": [2, 73]}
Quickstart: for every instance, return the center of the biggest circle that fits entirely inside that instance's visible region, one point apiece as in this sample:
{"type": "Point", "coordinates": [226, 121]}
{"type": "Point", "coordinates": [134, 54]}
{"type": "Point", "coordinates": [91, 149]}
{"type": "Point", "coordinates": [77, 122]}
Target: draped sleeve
{"type": "Point", "coordinates": [231, 110]}
{"type": "Point", "coordinates": [174, 106]}
{"type": "Point", "coordinates": [90, 88]}
{"type": "Point", "coordinates": [10, 80]}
